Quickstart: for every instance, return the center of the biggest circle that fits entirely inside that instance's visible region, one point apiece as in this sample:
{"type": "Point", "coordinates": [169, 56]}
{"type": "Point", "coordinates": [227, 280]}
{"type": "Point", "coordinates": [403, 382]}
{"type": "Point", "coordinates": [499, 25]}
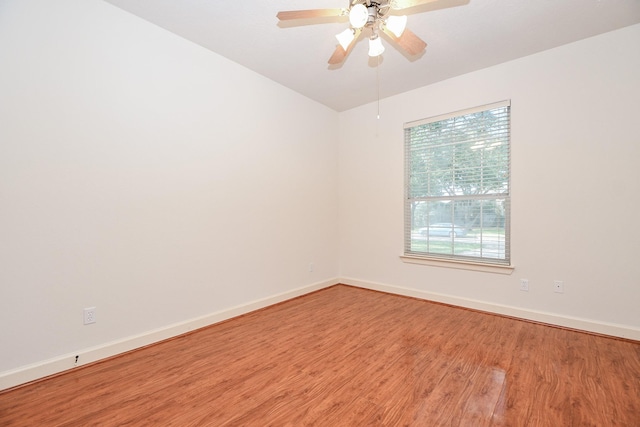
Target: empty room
{"type": "Point", "coordinates": [319, 213]}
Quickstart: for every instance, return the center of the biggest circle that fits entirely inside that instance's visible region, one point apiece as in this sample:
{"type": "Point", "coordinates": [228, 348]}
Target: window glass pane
{"type": "Point", "coordinates": [457, 191]}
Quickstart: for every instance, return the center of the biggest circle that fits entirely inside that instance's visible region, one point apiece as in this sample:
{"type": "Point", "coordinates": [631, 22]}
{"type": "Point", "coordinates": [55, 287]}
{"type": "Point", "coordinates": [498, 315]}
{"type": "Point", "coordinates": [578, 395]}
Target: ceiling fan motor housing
{"type": "Point", "coordinates": [373, 14]}
{"type": "Point", "coordinates": [376, 11]}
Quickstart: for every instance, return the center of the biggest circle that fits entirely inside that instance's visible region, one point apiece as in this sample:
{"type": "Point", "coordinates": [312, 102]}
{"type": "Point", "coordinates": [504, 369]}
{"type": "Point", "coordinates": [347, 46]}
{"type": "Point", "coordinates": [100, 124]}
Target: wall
{"type": "Point", "coordinates": [150, 178]}
{"type": "Point", "coordinates": [575, 196]}
{"type": "Point", "coordinates": [170, 187]}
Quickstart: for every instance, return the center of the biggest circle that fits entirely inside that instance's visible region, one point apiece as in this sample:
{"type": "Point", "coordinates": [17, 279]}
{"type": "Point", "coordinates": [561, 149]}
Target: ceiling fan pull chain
{"type": "Point", "coordinates": [378, 81]}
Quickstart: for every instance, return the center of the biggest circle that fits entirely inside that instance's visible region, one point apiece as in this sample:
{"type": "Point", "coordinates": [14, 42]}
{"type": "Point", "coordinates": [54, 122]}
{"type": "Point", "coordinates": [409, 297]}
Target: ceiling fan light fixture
{"type": "Point", "coordinates": [358, 15]}
{"type": "Point", "coordinates": [375, 46]}
{"type": "Point", "coordinates": [372, 15]}
{"type": "Point", "coordinates": [396, 24]}
{"type": "Point", "coordinates": [345, 38]}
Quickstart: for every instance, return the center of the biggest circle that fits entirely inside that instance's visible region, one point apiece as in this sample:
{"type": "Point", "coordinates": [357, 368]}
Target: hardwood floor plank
{"type": "Point", "coordinates": [345, 356]}
{"type": "Point", "coordinates": [603, 377]}
{"type": "Point", "coordinates": [538, 389]}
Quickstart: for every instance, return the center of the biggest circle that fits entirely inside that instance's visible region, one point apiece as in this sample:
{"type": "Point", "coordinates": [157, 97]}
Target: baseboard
{"type": "Point", "coordinates": [601, 328]}
{"type": "Point", "coordinates": [25, 374]}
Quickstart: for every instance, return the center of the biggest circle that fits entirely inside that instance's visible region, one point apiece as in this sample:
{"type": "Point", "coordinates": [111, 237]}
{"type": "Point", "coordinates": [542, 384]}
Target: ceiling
{"type": "Point", "coordinates": [461, 35]}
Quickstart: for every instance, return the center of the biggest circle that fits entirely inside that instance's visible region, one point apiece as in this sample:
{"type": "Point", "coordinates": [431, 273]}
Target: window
{"type": "Point", "coordinates": [457, 186]}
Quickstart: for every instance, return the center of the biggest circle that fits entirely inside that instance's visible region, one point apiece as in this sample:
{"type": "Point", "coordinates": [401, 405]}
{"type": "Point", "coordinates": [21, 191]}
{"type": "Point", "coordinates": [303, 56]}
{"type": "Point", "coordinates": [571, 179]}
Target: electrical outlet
{"type": "Point", "coordinates": [311, 267]}
{"type": "Point", "coordinates": [558, 286]}
{"type": "Point", "coordinates": [89, 315]}
{"type": "Point", "coordinates": [524, 285]}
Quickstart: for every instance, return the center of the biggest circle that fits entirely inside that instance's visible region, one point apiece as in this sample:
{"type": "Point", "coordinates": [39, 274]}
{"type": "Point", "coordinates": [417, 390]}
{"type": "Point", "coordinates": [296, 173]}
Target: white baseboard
{"type": "Point", "coordinates": [611, 329]}
{"type": "Point", "coordinates": [65, 362]}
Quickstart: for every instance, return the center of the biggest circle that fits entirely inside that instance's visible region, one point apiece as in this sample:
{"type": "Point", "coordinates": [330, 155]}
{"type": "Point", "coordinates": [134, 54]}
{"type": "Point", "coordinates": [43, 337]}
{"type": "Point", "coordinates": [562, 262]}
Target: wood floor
{"type": "Point", "coordinates": [350, 357]}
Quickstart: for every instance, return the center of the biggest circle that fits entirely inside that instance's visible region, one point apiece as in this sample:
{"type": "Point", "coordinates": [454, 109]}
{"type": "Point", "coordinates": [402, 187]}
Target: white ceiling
{"type": "Point", "coordinates": [461, 35]}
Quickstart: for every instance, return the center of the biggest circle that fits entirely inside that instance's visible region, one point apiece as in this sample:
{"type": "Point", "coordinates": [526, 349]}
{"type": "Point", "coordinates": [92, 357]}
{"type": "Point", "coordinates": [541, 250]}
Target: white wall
{"type": "Point", "coordinates": [159, 182]}
{"type": "Point", "coordinates": [148, 177]}
{"type": "Point", "coordinates": [575, 187]}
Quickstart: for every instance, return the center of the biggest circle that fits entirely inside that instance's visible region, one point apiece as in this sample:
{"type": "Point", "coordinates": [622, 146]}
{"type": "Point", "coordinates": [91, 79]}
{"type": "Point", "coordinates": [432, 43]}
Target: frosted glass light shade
{"type": "Point", "coordinates": [358, 15]}
{"type": "Point", "coordinates": [345, 38]}
{"type": "Point", "coordinates": [375, 46]}
{"type": "Point", "coordinates": [396, 24]}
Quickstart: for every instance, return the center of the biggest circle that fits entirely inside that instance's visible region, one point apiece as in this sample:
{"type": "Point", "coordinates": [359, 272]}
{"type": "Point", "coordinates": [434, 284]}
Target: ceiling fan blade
{"type": "Point", "coordinates": [340, 54]}
{"type": "Point", "coordinates": [411, 43]}
{"type": "Point", "coordinates": [309, 14]}
{"type": "Point", "coordinates": [405, 4]}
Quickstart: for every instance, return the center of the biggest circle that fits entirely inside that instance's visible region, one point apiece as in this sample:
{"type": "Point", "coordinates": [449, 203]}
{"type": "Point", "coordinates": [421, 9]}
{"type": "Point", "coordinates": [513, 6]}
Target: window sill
{"type": "Point", "coordinates": [463, 265]}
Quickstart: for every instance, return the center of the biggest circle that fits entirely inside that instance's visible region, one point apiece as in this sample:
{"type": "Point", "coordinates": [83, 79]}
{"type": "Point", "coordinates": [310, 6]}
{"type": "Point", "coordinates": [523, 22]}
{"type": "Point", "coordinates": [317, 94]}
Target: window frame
{"type": "Point", "coordinates": [480, 263]}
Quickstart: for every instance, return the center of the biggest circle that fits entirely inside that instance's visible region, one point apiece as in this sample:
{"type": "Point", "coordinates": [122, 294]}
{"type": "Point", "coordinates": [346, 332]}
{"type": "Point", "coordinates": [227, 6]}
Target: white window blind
{"type": "Point", "coordinates": [457, 174]}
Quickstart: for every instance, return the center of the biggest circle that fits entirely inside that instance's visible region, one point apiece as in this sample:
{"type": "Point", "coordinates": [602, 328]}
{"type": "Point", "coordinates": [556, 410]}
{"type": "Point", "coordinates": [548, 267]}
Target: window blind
{"type": "Point", "coordinates": [457, 179]}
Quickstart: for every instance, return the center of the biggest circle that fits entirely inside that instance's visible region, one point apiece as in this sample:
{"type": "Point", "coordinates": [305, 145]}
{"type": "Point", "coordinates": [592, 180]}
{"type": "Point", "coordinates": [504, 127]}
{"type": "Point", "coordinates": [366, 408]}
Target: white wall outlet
{"type": "Point", "coordinates": [311, 266]}
{"type": "Point", "coordinates": [524, 285]}
{"type": "Point", "coordinates": [89, 315]}
{"type": "Point", "coordinates": [558, 286]}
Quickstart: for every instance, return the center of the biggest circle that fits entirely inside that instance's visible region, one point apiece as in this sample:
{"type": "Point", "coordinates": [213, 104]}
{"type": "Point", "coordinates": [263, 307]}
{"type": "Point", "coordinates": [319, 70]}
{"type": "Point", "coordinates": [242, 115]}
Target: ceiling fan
{"type": "Point", "coordinates": [373, 15]}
